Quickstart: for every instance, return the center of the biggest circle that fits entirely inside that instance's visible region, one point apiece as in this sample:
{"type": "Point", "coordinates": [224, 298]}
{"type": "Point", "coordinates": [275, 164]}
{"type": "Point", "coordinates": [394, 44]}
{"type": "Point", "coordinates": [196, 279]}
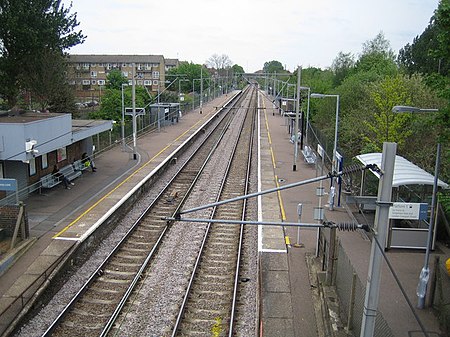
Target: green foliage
{"type": "Point", "coordinates": [111, 105]}
{"type": "Point", "coordinates": [444, 200]}
{"type": "Point", "coordinates": [342, 66]}
{"type": "Point", "coordinates": [386, 126]}
{"type": "Point", "coordinates": [237, 69]}
{"type": "Point", "coordinates": [273, 67]}
{"type": "Point", "coordinates": [28, 30]}
{"type": "Point", "coordinates": [115, 79]}
{"type": "Point", "coordinates": [442, 15]}
{"type": "Point", "coordinates": [187, 72]}
{"type": "Point", "coordinates": [419, 57]}
{"type": "Point", "coordinates": [320, 81]}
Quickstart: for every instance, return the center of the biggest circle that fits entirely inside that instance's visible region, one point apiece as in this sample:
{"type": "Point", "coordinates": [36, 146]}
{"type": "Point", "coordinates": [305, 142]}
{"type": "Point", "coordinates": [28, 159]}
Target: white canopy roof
{"type": "Point", "coordinates": [405, 172]}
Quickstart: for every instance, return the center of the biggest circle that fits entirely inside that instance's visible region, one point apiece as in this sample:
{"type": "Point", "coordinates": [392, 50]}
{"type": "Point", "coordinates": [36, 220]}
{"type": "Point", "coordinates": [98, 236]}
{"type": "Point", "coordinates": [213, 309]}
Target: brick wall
{"type": "Point", "coordinates": [8, 218]}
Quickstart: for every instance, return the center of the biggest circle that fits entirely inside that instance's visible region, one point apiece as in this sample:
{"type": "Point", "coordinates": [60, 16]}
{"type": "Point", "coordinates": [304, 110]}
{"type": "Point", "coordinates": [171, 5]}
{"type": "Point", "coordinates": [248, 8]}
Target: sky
{"type": "Point", "coordinates": [250, 32]}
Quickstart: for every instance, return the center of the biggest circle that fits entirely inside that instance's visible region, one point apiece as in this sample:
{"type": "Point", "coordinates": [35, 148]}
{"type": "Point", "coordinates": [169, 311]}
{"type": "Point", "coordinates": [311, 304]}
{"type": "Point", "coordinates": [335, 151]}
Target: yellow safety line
{"type": "Point", "coordinates": [280, 199]}
{"type": "Point", "coordinates": [126, 179]}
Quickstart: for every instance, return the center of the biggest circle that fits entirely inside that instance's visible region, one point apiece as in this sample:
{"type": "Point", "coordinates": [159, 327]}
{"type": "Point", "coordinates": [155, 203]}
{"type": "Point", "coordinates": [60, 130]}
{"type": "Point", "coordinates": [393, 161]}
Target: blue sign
{"type": "Point", "coordinates": [8, 185]}
{"type": "Point", "coordinates": [423, 211]}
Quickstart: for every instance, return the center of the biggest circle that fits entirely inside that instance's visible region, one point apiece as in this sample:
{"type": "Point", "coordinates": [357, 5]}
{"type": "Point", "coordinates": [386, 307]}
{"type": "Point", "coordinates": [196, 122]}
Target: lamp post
{"type": "Point", "coordinates": [334, 165]}
{"type": "Point", "coordinates": [123, 117]}
{"type": "Point", "coordinates": [133, 103]}
{"type": "Point", "coordinates": [425, 272]}
{"type": "Point", "coordinates": [179, 92]}
{"type": "Point", "coordinates": [297, 111]}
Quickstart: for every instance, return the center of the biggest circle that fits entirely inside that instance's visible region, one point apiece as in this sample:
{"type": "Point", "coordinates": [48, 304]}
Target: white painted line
{"type": "Point", "coordinates": [66, 238]}
{"type": "Point", "coordinates": [260, 217]}
{"type": "Point", "coordinates": [273, 250]}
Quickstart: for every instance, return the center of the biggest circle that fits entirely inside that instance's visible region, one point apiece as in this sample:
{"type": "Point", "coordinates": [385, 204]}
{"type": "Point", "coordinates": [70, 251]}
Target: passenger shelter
{"type": "Point", "coordinates": [411, 189]}
{"type": "Point", "coordinates": [31, 143]}
{"type": "Point", "coordinates": [163, 114]}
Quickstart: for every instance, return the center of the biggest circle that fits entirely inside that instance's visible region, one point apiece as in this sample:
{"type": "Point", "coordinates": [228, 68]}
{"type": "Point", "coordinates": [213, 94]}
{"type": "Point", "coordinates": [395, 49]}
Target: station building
{"type": "Point", "coordinates": [32, 143]}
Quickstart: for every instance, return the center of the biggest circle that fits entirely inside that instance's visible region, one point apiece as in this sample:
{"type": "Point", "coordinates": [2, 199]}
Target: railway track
{"type": "Point", "coordinates": [210, 300]}
{"type": "Point", "coordinates": [95, 307]}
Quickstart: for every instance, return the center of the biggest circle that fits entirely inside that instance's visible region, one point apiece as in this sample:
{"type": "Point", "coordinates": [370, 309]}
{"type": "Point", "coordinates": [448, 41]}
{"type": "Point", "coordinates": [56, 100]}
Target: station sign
{"type": "Point", "coordinates": [408, 211]}
{"type": "Point", "coordinates": [8, 184]}
{"type": "Point", "coordinates": [139, 111]}
{"type": "Point", "coordinates": [320, 150]}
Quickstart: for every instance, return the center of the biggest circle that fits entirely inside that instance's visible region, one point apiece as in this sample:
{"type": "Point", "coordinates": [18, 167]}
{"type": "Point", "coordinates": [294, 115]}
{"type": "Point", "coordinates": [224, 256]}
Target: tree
{"type": "Point", "coordinates": [186, 73]}
{"type": "Point", "coordinates": [46, 80]}
{"type": "Point", "coordinates": [115, 79]}
{"type": "Point", "coordinates": [342, 66]}
{"type": "Point", "coordinates": [219, 62]}
{"type": "Point", "coordinates": [377, 56]}
{"type": "Point", "coordinates": [111, 106]}
{"type": "Point", "coordinates": [27, 28]}
{"type": "Point", "coordinates": [272, 67]}
{"type": "Point", "coordinates": [237, 69]}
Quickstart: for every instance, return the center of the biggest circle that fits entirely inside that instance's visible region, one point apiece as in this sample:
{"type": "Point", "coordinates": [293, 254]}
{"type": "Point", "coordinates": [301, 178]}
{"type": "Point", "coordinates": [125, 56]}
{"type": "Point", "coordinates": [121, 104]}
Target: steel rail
{"type": "Point", "coordinates": [129, 292]}
{"type": "Point", "coordinates": [205, 238]}
{"type": "Point", "coordinates": [99, 270]}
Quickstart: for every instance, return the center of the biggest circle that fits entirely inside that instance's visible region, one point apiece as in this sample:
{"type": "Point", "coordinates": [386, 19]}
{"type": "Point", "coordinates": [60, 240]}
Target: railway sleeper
{"type": "Point", "coordinates": [77, 327]}
{"type": "Point", "coordinates": [120, 273]}
{"type": "Point", "coordinates": [203, 316]}
{"type": "Point", "coordinates": [205, 292]}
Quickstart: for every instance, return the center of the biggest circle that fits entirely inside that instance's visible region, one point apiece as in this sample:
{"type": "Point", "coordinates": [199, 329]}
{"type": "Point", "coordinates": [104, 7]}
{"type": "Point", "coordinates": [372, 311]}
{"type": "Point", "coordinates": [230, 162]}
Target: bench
{"type": "Point", "coordinates": [309, 155]}
{"type": "Point", "coordinates": [49, 181]}
{"type": "Point", "coordinates": [79, 165]}
{"type": "Point", "coordinates": [70, 173]}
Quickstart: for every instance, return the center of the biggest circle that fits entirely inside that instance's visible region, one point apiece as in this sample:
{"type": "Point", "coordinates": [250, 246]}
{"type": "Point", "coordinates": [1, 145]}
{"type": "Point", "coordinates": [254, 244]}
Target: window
{"type": "Point", "coordinates": [140, 75]}
{"type": "Point", "coordinates": [101, 82]}
{"type": "Point", "coordinates": [109, 66]}
{"type": "Point", "coordinates": [139, 82]}
{"type": "Point", "coordinates": [94, 82]}
{"type": "Point", "coordinates": [86, 65]}
{"type": "Point", "coordinates": [86, 82]}
{"type": "Point", "coordinates": [125, 73]}
{"type": "Point", "coordinates": [44, 161]}
{"type": "Point", "coordinates": [1, 171]}
{"type": "Point", "coordinates": [61, 154]}
{"type": "Point", "coordinates": [155, 82]}
{"type": "Point", "coordinates": [147, 82]}
{"type": "Point", "coordinates": [156, 74]}
{"type": "Point", "coordinates": [32, 166]}
{"type": "Point", "coordinates": [130, 82]}
{"type": "Point", "coordinates": [93, 74]}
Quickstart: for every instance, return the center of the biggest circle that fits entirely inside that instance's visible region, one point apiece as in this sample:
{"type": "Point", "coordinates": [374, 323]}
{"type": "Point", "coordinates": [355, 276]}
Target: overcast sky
{"type": "Point", "coordinates": [250, 32]}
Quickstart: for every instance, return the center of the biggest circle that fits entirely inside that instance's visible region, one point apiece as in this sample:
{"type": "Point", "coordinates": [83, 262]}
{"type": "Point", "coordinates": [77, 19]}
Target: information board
{"type": "Point", "coordinates": [408, 211]}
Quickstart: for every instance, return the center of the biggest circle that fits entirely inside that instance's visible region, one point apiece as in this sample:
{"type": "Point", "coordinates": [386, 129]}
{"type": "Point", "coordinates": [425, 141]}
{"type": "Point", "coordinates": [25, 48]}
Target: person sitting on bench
{"type": "Point", "coordinates": [87, 162]}
{"type": "Point", "coordinates": [57, 173]}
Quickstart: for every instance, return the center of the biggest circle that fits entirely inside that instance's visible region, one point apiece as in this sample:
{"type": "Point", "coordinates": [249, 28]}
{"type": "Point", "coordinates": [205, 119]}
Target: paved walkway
{"type": "Point", "coordinates": [288, 301]}
{"type": "Point", "coordinates": [407, 263]}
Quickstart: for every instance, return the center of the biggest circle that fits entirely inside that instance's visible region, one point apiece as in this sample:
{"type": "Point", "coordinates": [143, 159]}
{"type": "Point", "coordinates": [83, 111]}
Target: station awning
{"type": "Point", "coordinates": [405, 172]}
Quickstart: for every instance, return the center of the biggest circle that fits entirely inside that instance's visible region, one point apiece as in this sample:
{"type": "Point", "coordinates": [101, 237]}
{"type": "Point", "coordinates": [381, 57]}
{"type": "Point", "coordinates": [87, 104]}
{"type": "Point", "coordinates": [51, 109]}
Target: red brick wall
{"type": "Point", "coordinates": [8, 218]}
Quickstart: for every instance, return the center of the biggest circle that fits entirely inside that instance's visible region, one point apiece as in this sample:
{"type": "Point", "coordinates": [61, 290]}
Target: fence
{"type": "Point", "coordinates": [350, 289]}
{"type": "Point", "coordinates": [441, 298]}
{"type": "Point", "coordinates": [108, 139]}
{"type": "Point", "coordinates": [351, 294]}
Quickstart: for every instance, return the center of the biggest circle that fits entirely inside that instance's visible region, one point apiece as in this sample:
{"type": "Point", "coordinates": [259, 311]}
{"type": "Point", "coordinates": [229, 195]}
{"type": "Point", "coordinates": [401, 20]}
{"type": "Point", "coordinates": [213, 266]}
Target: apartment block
{"type": "Point", "coordinates": [88, 73]}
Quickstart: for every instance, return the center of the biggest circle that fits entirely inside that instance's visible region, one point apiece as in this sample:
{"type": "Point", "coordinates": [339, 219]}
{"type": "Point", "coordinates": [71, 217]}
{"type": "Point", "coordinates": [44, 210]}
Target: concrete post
{"type": "Point", "coordinates": [380, 233]}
